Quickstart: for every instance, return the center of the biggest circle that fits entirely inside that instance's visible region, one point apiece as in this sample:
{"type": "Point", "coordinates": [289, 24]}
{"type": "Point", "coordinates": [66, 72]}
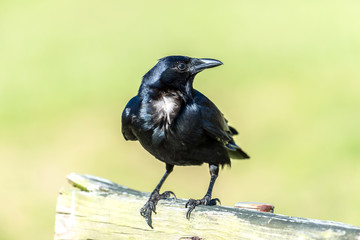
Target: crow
{"type": "Point", "coordinates": [179, 126]}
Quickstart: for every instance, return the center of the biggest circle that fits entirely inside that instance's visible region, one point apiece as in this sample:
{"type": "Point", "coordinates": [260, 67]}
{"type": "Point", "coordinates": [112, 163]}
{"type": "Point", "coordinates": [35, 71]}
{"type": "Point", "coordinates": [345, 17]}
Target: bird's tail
{"type": "Point", "coordinates": [235, 151]}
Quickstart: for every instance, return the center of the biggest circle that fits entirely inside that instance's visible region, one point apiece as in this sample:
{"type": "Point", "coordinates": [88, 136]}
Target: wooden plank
{"type": "Point", "coordinates": [97, 208]}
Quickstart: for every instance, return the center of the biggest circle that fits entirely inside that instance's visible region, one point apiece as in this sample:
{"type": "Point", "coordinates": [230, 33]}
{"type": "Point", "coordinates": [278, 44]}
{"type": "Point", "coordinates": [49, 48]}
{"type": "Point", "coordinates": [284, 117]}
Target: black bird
{"type": "Point", "coordinates": [178, 125]}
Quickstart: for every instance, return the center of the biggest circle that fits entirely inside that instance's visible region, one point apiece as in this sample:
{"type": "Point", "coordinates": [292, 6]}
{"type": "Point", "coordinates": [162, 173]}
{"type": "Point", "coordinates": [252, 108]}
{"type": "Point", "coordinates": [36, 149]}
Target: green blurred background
{"type": "Point", "coordinates": [289, 84]}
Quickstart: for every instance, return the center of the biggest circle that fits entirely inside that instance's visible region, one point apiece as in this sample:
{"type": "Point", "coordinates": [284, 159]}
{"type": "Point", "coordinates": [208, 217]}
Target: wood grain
{"type": "Point", "coordinates": [96, 208]}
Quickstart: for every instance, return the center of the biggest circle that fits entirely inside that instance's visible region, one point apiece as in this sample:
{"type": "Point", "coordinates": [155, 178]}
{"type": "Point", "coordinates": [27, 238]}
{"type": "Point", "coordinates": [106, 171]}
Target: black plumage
{"type": "Point", "coordinates": [179, 125]}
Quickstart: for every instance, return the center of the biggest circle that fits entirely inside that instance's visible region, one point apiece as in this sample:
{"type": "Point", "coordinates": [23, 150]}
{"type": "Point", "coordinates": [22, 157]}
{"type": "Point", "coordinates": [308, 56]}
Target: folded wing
{"type": "Point", "coordinates": [215, 125]}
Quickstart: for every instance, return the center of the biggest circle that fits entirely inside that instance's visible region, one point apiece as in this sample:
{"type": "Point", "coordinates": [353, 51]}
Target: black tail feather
{"type": "Point", "coordinates": [235, 151]}
{"type": "Point", "coordinates": [238, 154]}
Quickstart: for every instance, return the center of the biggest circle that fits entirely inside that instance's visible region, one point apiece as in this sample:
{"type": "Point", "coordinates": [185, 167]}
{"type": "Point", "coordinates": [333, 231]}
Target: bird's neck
{"type": "Point", "coordinates": [155, 90]}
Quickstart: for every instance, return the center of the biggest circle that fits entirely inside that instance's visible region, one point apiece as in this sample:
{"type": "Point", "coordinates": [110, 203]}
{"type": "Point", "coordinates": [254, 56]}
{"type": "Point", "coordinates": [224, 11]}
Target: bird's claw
{"type": "Point", "coordinates": [168, 194]}
{"type": "Point", "coordinates": [214, 201]}
{"type": "Point", "coordinates": [150, 206]}
{"type": "Point", "coordinates": [147, 210]}
{"type": "Point", "coordinates": [192, 203]}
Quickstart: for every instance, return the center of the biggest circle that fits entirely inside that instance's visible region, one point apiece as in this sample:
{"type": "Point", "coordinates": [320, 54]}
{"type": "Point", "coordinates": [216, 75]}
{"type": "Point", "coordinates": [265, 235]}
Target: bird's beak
{"type": "Point", "coordinates": [199, 64]}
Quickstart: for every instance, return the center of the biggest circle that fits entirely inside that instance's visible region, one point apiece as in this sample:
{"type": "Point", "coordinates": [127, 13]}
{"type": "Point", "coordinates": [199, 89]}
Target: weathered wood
{"type": "Point", "coordinates": [99, 209]}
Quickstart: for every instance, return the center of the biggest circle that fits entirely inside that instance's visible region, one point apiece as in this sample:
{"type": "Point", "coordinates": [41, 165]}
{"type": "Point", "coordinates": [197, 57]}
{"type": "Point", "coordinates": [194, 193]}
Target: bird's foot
{"type": "Point", "coordinates": [192, 203]}
{"type": "Point", "coordinates": [150, 206]}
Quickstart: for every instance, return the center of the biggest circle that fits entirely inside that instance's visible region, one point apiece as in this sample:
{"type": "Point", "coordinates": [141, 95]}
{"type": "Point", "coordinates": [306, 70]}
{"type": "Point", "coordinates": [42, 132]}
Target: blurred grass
{"type": "Point", "coordinates": [290, 85]}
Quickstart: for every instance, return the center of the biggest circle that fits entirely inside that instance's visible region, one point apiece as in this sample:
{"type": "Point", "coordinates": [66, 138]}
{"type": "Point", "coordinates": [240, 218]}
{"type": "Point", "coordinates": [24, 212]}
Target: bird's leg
{"type": "Point", "coordinates": [206, 200]}
{"type": "Point", "coordinates": [150, 205]}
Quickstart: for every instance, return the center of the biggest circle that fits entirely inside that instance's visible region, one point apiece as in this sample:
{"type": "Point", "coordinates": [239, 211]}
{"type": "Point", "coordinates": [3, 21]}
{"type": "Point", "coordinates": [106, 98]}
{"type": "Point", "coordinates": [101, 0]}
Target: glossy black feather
{"type": "Point", "coordinates": [174, 122]}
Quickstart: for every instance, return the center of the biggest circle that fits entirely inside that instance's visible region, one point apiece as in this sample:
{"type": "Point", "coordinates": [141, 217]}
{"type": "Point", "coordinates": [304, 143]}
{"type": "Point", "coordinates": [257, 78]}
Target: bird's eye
{"type": "Point", "coordinates": [181, 66]}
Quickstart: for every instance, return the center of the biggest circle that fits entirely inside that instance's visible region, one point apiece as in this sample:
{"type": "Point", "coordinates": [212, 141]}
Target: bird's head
{"type": "Point", "coordinates": [177, 72]}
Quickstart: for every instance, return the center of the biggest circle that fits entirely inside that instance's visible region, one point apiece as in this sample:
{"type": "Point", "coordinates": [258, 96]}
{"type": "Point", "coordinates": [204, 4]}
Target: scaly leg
{"type": "Point", "coordinates": [206, 200]}
{"type": "Point", "coordinates": [150, 205]}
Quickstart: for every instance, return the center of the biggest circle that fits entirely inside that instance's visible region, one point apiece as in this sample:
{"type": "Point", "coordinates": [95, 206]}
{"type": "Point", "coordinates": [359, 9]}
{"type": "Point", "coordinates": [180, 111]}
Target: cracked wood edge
{"type": "Point", "coordinates": [96, 208]}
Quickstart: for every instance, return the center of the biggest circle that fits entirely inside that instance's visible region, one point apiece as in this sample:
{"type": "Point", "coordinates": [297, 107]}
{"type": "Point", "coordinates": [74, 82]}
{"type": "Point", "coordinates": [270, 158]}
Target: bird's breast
{"type": "Point", "coordinates": [165, 109]}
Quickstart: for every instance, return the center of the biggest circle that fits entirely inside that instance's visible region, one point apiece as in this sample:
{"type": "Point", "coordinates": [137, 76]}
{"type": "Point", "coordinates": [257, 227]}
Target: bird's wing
{"type": "Point", "coordinates": [128, 117]}
{"type": "Point", "coordinates": [213, 121]}
{"type": "Point", "coordinates": [215, 125]}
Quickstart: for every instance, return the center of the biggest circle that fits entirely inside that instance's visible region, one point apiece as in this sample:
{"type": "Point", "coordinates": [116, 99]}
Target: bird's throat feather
{"type": "Point", "coordinates": [166, 108]}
